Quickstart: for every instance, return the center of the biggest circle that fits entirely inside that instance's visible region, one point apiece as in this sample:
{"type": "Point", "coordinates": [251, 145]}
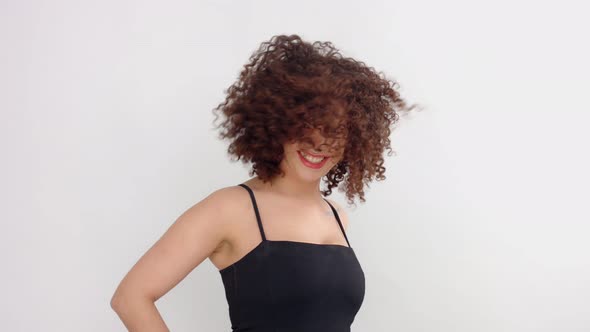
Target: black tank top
{"type": "Point", "coordinates": [290, 286]}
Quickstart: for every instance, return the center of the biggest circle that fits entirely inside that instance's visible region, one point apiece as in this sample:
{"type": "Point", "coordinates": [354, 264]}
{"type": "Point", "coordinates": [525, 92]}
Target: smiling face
{"type": "Point", "coordinates": [311, 163]}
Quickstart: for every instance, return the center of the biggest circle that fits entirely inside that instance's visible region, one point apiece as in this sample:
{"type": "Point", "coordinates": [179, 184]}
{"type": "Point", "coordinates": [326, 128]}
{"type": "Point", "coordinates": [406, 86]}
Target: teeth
{"type": "Point", "coordinates": [311, 159]}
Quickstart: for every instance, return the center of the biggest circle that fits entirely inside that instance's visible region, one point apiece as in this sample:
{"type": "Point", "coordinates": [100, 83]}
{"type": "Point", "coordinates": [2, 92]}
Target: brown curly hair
{"type": "Point", "coordinates": [291, 87]}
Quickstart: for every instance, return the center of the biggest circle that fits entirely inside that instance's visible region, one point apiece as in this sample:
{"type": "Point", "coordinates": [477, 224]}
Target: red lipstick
{"type": "Point", "coordinates": [310, 164]}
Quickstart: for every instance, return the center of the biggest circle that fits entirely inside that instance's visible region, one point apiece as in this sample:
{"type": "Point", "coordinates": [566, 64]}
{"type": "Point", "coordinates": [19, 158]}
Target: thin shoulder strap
{"type": "Point", "coordinates": [253, 199]}
{"type": "Point", "coordinates": [339, 222]}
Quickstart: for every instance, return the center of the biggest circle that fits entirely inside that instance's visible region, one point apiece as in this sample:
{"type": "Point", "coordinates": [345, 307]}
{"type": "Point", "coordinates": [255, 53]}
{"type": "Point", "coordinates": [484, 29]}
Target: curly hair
{"type": "Point", "coordinates": [291, 87]}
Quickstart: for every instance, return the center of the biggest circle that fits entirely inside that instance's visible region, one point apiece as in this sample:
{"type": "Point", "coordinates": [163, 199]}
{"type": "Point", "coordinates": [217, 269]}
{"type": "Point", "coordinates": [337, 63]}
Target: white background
{"type": "Point", "coordinates": [481, 225]}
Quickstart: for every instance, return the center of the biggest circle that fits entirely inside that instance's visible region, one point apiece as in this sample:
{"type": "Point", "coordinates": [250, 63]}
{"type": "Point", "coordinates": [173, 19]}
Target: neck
{"type": "Point", "coordinates": [290, 187]}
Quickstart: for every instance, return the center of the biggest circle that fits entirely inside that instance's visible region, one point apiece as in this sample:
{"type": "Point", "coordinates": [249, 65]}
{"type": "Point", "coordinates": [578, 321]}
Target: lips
{"type": "Point", "coordinates": [310, 164]}
{"type": "Point", "coordinates": [315, 155]}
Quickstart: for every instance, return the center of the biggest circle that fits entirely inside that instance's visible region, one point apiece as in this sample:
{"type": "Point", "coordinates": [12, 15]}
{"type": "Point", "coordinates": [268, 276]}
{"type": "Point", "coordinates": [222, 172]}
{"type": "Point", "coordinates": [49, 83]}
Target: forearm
{"type": "Point", "coordinates": [139, 315]}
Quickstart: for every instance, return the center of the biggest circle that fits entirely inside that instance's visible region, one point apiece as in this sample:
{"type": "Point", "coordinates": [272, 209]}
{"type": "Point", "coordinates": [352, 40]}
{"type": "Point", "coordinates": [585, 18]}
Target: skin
{"type": "Point", "coordinates": [223, 228]}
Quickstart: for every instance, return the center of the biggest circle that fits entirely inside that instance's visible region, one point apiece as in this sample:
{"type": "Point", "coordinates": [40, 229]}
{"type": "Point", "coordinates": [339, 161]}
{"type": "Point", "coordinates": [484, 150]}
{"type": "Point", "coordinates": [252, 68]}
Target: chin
{"type": "Point", "coordinates": [307, 177]}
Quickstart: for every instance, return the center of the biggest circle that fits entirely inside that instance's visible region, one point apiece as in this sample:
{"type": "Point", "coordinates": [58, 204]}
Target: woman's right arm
{"type": "Point", "coordinates": [192, 238]}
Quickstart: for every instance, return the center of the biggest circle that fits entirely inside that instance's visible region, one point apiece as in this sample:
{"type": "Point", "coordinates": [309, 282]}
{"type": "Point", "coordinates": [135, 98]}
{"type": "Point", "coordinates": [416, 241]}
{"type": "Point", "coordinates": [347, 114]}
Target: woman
{"type": "Point", "coordinates": [299, 113]}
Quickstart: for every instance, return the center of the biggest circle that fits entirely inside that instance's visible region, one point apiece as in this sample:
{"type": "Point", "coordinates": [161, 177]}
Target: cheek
{"type": "Point", "coordinates": [291, 151]}
{"type": "Point", "coordinates": [332, 162]}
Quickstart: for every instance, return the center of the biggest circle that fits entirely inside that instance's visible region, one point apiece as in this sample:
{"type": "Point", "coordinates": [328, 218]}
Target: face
{"type": "Point", "coordinates": [311, 163]}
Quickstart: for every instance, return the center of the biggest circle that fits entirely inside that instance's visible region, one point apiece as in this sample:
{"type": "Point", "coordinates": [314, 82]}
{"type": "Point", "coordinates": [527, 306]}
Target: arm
{"type": "Point", "coordinates": [192, 238]}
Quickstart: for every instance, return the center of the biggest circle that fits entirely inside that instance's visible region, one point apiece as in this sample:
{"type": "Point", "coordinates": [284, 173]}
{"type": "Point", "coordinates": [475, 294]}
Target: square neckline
{"type": "Point", "coordinates": [264, 240]}
{"type": "Point", "coordinates": [310, 243]}
{"type": "Point", "coordinates": [261, 228]}
{"type": "Point", "coordinates": [289, 242]}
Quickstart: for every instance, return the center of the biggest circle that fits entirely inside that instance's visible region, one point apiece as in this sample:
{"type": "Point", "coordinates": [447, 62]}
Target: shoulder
{"type": "Point", "coordinates": [342, 213]}
{"type": "Point", "coordinates": [217, 213]}
{"type": "Point", "coordinates": [212, 209]}
{"type": "Point", "coordinates": [218, 208]}
{"type": "Point", "coordinates": [227, 200]}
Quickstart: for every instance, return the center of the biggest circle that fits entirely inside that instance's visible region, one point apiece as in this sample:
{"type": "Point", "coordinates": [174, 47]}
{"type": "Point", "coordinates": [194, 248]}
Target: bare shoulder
{"type": "Point", "coordinates": [214, 206]}
{"type": "Point", "coordinates": [227, 203]}
{"type": "Point", "coordinates": [341, 213]}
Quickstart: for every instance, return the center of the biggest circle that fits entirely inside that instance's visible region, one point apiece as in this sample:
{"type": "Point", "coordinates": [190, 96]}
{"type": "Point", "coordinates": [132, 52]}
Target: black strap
{"type": "Point", "coordinates": [339, 222]}
{"type": "Point", "coordinates": [255, 210]}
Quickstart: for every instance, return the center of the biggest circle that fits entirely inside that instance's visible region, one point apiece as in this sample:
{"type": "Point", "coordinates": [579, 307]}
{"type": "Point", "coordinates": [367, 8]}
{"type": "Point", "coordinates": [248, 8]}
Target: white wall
{"type": "Point", "coordinates": [106, 135]}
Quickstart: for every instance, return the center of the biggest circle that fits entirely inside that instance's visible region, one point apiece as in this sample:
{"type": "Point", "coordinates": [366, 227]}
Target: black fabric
{"type": "Point", "coordinates": [290, 286]}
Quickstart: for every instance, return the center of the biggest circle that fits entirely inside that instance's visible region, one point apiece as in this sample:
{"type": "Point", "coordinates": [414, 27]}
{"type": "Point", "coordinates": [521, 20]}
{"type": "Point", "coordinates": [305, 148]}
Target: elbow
{"type": "Point", "coordinates": [121, 300]}
{"type": "Point", "coordinates": [115, 302]}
